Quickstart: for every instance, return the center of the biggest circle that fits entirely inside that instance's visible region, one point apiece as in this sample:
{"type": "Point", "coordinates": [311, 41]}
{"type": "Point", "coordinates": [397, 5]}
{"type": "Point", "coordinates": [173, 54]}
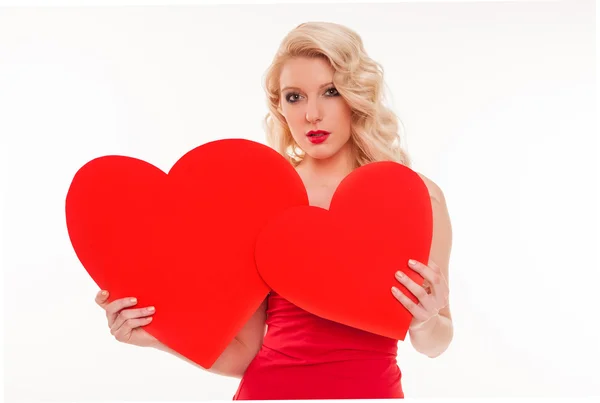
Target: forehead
{"type": "Point", "coordinates": [305, 73]}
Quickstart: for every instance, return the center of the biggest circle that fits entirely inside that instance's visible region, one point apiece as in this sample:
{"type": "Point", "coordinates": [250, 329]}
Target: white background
{"type": "Point", "coordinates": [497, 101]}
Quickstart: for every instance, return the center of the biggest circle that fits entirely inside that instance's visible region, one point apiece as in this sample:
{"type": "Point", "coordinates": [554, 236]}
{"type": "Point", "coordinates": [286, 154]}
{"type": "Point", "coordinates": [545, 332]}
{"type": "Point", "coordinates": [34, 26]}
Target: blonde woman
{"type": "Point", "coordinates": [327, 118]}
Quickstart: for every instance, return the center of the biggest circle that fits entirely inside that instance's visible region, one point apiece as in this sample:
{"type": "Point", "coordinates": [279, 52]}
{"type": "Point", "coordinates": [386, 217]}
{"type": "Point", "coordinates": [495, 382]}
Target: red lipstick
{"type": "Point", "coordinates": [317, 136]}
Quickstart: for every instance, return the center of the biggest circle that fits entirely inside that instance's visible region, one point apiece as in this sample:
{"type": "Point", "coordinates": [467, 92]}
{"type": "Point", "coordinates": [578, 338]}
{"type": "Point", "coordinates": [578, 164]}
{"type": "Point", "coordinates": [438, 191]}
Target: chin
{"type": "Point", "coordinates": [321, 154]}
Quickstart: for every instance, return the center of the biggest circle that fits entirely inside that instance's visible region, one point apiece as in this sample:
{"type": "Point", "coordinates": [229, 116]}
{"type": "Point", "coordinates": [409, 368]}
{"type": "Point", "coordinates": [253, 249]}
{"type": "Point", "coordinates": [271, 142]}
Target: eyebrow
{"type": "Point", "coordinates": [296, 88]}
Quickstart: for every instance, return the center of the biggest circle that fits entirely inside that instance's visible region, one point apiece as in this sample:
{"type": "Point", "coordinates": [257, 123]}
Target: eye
{"type": "Point", "coordinates": [290, 95]}
{"type": "Point", "coordinates": [334, 92]}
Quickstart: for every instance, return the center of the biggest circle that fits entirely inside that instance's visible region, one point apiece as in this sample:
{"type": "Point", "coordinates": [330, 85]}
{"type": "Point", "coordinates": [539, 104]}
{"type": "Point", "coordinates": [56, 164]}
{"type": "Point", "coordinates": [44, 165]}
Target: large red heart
{"type": "Point", "coordinates": [339, 264]}
{"type": "Point", "coordinates": [182, 241]}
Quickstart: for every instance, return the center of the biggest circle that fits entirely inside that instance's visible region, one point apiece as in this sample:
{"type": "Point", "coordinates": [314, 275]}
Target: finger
{"type": "Point", "coordinates": [416, 310]}
{"type": "Point", "coordinates": [417, 290]}
{"type": "Point", "coordinates": [102, 298]}
{"type": "Point", "coordinates": [127, 314]}
{"type": "Point", "coordinates": [427, 286]}
{"type": "Point", "coordinates": [434, 277]}
{"type": "Point", "coordinates": [129, 324]}
{"type": "Point", "coordinates": [124, 332]}
{"type": "Point", "coordinates": [113, 309]}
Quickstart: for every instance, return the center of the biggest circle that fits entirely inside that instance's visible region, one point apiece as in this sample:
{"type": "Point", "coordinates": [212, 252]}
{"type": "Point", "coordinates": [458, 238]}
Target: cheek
{"type": "Point", "coordinates": [292, 115]}
{"type": "Point", "coordinates": [342, 110]}
{"type": "Point", "coordinates": [295, 120]}
{"type": "Point", "coordinates": [344, 118]}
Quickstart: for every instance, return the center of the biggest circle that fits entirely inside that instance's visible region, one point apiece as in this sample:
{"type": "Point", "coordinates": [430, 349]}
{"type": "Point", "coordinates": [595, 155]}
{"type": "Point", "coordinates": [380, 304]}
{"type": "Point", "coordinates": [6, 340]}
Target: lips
{"type": "Point", "coordinates": [317, 136]}
{"type": "Point", "coordinates": [317, 133]}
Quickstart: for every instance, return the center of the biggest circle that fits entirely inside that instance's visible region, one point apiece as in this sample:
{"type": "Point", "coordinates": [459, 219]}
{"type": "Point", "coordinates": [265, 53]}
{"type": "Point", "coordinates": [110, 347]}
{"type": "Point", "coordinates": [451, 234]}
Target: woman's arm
{"type": "Point", "coordinates": [434, 337]}
{"type": "Point", "coordinates": [242, 349]}
{"type": "Point", "coordinates": [232, 362]}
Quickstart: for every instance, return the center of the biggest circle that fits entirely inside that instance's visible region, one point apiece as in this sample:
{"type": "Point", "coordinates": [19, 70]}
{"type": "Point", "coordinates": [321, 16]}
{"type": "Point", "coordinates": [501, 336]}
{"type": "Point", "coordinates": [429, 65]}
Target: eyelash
{"type": "Point", "coordinates": [287, 97]}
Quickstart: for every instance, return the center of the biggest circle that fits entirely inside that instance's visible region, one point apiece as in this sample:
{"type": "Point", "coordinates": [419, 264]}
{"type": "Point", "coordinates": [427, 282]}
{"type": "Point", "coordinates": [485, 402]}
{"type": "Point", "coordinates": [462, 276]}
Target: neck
{"type": "Point", "coordinates": [330, 170]}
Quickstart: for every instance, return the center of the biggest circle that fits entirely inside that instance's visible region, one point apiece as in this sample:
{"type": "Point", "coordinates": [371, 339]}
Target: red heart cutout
{"type": "Point", "coordinates": [183, 241]}
{"type": "Point", "coordinates": [339, 264]}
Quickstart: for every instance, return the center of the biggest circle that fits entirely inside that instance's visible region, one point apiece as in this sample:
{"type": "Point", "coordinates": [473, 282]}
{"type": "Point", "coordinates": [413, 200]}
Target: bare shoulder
{"type": "Point", "coordinates": [435, 192]}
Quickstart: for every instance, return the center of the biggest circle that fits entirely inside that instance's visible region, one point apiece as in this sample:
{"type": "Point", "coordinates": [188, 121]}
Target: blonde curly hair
{"type": "Point", "coordinates": [357, 78]}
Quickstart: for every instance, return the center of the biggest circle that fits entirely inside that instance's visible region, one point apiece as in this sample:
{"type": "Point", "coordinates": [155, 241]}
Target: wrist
{"type": "Point", "coordinates": [425, 326]}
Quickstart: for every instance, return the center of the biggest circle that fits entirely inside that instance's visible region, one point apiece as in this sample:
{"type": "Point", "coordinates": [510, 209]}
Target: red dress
{"type": "Point", "coordinates": [304, 356]}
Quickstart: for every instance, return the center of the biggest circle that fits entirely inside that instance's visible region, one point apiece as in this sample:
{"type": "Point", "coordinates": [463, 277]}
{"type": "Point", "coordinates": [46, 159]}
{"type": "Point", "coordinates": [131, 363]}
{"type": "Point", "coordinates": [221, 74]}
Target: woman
{"type": "Point", "coordinates": [327, 118]}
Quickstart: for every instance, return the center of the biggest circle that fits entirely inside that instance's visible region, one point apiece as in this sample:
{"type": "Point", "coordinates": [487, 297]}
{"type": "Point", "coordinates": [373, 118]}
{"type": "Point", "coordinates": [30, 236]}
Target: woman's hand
{"type": "Point", "coordinates": [126, 324]}
{"type": "Point", "coordinates": [432, 295]}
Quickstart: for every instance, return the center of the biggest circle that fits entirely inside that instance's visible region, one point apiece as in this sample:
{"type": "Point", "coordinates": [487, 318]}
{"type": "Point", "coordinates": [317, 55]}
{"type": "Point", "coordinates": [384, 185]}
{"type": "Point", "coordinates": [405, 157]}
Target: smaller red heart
{"type": "Point", "coordinates": [340, 263]}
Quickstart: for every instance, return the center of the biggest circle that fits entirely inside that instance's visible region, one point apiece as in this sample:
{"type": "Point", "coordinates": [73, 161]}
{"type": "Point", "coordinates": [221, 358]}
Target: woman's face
{"type": "Point", "coordinates": [309, 101]}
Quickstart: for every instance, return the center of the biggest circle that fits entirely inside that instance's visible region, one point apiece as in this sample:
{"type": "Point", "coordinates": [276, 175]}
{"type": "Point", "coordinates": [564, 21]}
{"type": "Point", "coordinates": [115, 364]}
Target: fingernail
{"type": "Point", "coordinates": [412, 262]}
{"type": "Point", "coordinates": [399, 274]}
{"type": "Point", "coordinates": [104, 293]}
{"type": "Point", "coordinates": [133, 300]}
{"type": "Point", "coordinates": [151, 309]}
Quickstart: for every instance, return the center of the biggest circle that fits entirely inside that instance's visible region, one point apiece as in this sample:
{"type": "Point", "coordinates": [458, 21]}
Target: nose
{"type": "Point", "coordinates": [313, 112]}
